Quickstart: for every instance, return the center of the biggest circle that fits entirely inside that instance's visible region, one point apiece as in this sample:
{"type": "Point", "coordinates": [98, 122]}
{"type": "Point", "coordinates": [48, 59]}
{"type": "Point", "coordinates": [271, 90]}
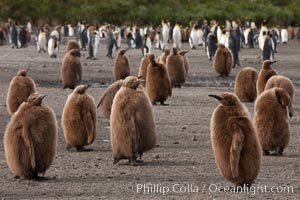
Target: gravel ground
{"type": "Point", "coordinates": [181, 166]}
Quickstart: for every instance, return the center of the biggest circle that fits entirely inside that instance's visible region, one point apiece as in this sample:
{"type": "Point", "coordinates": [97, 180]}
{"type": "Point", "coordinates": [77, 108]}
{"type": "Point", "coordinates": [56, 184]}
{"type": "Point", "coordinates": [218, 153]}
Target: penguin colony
{"type": "Point", "coordinates": [237, 140]}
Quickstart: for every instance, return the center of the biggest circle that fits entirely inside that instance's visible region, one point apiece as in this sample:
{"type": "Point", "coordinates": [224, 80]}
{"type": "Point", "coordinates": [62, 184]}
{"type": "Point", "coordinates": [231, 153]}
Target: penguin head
{"type": "Point", "coordinates": [75, 52]}
{"type": "Point", "coordinates": [226, 98]}
{"type": "Point", "coordinates": [283, 97]}
{"type": "Point", "coordinates": [167, 51]}
{"type": "Point", "coordinates": [81, 89]}
{"type": "Point", "coordinates": [22, 72]}
{"type": "Point", "coordinates": [267, 64]}
{"type": "Point", "coordinates": [175, 51]}
{"type": "Point", "coordinates": [151, 57]}
{"type": "Point", "coordinates": [132, 82]}
{"type": "Point", "coordinates": [183, 52]}
{"type": "Point", "coordinates": [122, 51]}
{"type": "Point", "coordinates": [35, 99]}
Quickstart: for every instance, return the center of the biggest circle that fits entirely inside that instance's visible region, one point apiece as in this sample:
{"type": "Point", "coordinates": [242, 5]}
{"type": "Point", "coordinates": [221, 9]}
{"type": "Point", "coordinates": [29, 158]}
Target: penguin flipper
{"type": "Point", "coordinates": [236, 148]}
{"type": "Point", "coordinates": [26, 135]}
{"type": "Point", "coordinates": [88, 121]}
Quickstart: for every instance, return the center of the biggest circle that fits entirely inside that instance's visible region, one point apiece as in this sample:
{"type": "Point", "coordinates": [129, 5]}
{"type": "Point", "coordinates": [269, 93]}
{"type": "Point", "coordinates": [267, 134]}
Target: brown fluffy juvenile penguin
{"type": "Point", "coordinates": [143, 69]}
{"type": "Point", "coordinates": [270, 119]}
{"type": "Point", "coordinates": [245, 84]}
{"type": "Point", "coordinates": [234, 140]}
{"type": "Point", "coordinates": [30, 138]}
{"type": "Point", "coordinates": [265, 73]}
{"type": "Point", "coordinates": [71, 69]}
{"type": "Point", "coordinates": [163, 57]}
{"type": "Point", "coordinates": [285, 83]}
{"type": "Point", "coordinates": [223, 60]}
{"type": "Point", "coordinates": [72, 44]}
{"type": "Point", "coordinates": [175, 68]}
{"type": "Point", "coordinates": [159, 86]}
{"type": "Point", "coordinates": [107, 98]}
{"type": "Point", "coordinates": [132, 130]}
{"type": "Point", "coordinates": [185, 61]}
{"type": "Point", "coordinates": [121, 67]}
{"type": "Point", "coordinates": [20, 88]}
{"type": "Point", "coordinates": [79, 119]}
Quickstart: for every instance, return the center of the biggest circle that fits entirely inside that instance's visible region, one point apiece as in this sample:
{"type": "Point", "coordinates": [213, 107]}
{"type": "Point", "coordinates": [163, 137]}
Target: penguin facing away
{"type": "Point", "coordinates": [79, 119]}
{"type": "Point", "coordinates": [132, 129]}
{"type": "Point", "coordinates": [121, 68]}
{"type": "Point", "coordinates": [159, 86]}
{"type": "Point", "coordinates": [270, 119]}
{"type": "Point", "coordinates": [71, 69]}
{"type": "Point", "coordinates": [285, 83]}
{"type": "Point", "coordinates": [20, 88]}
{"type": "Point", "coordinates": [265, 73]}
{"type": "Point", "coordinates": [30, 139]}
{"type": "Point", "coordinates": [245, 84]}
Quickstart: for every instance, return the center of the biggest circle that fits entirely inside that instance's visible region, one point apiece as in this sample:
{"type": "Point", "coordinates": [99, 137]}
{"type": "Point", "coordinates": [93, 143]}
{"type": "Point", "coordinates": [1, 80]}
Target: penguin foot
{"type": "Point", "coordinates": [136, 162]}
{"type": "Point", "coordinates": [116, 160]}
{"type": "Point", "coordinates": [82, 149]}
{"type": "Point", "coordinates": [266, 153]}
{"type": "Point", "coordinates": [164, 104]}
{"type": "Point", "coordinates": [16, 177]}
{"type": "Point", "coordinates": [68, 147]}
{"type": "Point", "coordinates": [279, 151]}
{"type": "Point", "coordinates": [39, 178]}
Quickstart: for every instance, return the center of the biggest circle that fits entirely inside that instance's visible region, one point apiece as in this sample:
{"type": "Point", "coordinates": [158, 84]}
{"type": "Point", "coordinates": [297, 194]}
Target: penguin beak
{"type": "Point", "coordinates": [139, 81]}
{"type": "Point", "coordinates": [216, 97]}
{"type": "Point", "coordinates": [43, 96]}
{"type": "Point", "coordinates": [139, 77]}
{"type": "Point", "coordinates": [272, 62]}
{"type": "Point", "coordinates": [89, 85]}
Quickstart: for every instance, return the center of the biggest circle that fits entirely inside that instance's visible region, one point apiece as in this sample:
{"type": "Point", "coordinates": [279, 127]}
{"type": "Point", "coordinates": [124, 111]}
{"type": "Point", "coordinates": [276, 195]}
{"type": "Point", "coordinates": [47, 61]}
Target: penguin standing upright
{"type": "Point", "coordinates": [206, 31]}
{"type": "Point", "coordinates": [193, 40]}
{"type": "Point", "coordinates": [165, 33]}
{"type": "Point", "coordinates": [268, 48]}
{"type": "Point", "coordinates": [41, 41]}
{"type": "Point", "coordinates": [111, 43]}
{"type": "Point", "coordinates": [71, 30]}
{"type": "Point", "coordinates": [177, 36]}
{"type": "Point", "coordinates": [53, 47]}
{"type": "Point", "coordinates": [92, 46]}
{"type": "Point", "coordinates": [233, 45]}
{"type": "Point", "coordinates": [284, 36]}
{"type": "Point", "coordinates": [83, 36]}
{"type": "Point", "coordinates": [212, 42]}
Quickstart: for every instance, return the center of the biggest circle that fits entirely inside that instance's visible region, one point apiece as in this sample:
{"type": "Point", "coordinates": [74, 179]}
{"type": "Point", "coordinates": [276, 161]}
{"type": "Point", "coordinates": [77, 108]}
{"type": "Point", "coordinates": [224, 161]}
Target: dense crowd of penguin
{"type": "Point", "coordinates": [238, 141]}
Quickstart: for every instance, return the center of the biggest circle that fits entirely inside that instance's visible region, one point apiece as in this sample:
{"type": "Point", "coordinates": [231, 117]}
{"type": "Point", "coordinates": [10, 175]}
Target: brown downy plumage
{"type": "Point", "coordinates": [270, 119]}
{"type": "Point", "coordinates": [175, 68]}
{"type": "Point", "coordinates": [71, 69]}
{"type": "Point", "coordinates": [163, 57]}
{"type": "Point", "coordinates": [143, 69]}
{"type": "Point", "coordinates": [72, 44]}
{"type": "Point", "coordinates": [107, 98]}
{"type": "Point", "coordinates": [121, 67]}
{"type": "Point", "coordinates": [185, 61]}
{"type": "Point", "coordinates": [79, 119]}
{"type": "Point", "coordinates": [20, 88]}
{"type": "Point", "coordinates": [285, 83]}
{"type": "Point", "coordinates": [30, 138]}
{"type": "Point", "coordinates": [223, 60]}
{"type": "Point", "coordinates": [132, 130]}
{"type": "Point", "coordinates": [265, 73]}
{"type": "Point", "coordinates": [158, 82]}
{"type": "Point", "coordinates": [245, 84]}
{"type": "Point", "coordinates": [234, 141]}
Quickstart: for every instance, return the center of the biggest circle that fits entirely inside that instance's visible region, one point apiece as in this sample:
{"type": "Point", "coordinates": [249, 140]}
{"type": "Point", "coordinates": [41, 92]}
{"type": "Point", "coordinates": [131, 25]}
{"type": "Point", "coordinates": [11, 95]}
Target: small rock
{"type": "Point", "coordinates": [194, 138]}
{"type": "Point", "coordinates": [184, 127]}
{"type": "Point", "coordinates": [176, 142]}
{"type": "Point", "coordinates": [156, 157]}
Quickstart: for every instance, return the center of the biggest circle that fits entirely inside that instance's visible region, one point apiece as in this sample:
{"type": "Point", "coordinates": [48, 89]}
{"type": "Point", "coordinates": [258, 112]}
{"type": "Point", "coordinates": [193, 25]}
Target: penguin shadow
{"type": "Point", "coordinates": [168, 163]}
{"type": "Point", "coordinates": [295, 156]}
